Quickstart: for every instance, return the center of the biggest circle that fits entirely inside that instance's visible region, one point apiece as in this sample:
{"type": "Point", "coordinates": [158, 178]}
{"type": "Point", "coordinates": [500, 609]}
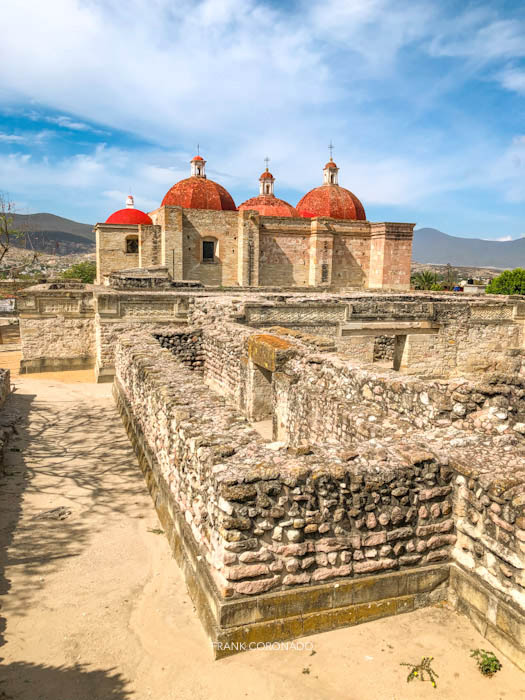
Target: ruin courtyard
{"type": "Point", "coordinates": [318, 460]}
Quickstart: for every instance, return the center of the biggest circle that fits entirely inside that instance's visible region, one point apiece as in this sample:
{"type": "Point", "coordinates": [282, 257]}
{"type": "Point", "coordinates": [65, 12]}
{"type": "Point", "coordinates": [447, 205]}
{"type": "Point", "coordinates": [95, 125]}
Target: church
{"type": "Point", "coordinates": [199, 234]}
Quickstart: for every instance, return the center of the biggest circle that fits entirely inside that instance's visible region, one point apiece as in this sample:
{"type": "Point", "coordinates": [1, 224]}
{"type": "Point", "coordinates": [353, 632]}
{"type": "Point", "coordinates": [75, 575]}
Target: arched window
{"type": "Point", "coordinates": [132, 244]}
{"type": "Point", "coordinates": [209, 250]}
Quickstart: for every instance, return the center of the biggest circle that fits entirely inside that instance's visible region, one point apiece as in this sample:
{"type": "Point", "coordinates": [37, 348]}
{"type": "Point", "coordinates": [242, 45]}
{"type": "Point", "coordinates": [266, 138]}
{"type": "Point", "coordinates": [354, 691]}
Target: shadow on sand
{"type": "Point", "coordinates": [82, 461]}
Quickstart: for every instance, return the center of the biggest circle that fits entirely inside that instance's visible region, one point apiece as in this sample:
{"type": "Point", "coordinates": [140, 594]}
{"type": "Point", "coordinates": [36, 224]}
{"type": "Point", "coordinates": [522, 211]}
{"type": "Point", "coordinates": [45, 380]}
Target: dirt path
{"type": "Point", "coordinates": [94, 608]}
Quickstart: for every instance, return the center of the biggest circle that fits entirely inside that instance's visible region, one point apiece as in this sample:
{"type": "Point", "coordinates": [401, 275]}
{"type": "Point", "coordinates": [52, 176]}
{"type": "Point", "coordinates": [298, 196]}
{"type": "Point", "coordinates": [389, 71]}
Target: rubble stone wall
{"type": "Point", "coordinates": [384, 347]}
{"type": "Point", "coordinates": [318, 398]}
{"type": "Point", "coordinates": [186, 345]}
{"type": "Point", "coordinates": [267, 519]}
{"type": "Point", "coordinates": [58, 337]}
{"type": "Point", "coordinates": [423, 485]}
{"type": "Point", "coordinates": [491, 532]}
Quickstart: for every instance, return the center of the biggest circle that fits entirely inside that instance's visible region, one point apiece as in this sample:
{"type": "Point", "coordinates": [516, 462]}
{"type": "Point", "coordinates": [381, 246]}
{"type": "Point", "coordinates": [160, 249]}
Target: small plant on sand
{"type": "Point", "coordinates": [488, 663]}
{"type": "Point", "coordinates": [423, 671]}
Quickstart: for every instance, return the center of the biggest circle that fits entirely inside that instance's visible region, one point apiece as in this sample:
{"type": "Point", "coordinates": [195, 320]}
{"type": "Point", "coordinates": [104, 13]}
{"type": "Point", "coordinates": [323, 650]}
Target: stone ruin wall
{"type": "Point", "coordinates": [332, 505]}
{"type": "Point", "coordinates": [323, 397]}
{"type": "Point", "coordinates": [80, 327]}
{"type": "Point", "coordinates": [267, 519]}
{"type": "Point", "coordinates": [58, 337]}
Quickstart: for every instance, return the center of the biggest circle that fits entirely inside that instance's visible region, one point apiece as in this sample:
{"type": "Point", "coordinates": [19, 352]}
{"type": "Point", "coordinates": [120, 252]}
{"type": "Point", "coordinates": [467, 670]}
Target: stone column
{"type": "Point", "coordinates": [149, 246]}
{"type": "Point", "coordinates": [390, 256]}
{"type": "Point", "coordinates": [321, 252]}
{"type": "Point", "coordinates": [248, 249]}
{"type": "Point", "coordinates": [171, 223]}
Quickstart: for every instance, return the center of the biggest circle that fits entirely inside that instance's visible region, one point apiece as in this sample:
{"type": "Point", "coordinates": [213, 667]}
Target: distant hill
{"type": "Point", "coordinates": [433, 246]}
{"type": "Point", "coordinates": [53, 234]}
{"type": "Point", "coordinates": [50, 222]}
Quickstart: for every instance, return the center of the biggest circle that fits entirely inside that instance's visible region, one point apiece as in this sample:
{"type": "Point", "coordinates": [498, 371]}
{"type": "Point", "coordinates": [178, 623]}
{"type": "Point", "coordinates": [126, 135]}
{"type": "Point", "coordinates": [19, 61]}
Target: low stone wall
{"type": "Point", "coordinates": [266, 521]}
{"type": "Point", "coordinates": [57, 343]}
{"type": "Point", "coordinates": [490, 551]}
{"type": "Point", "coordinates": [255, 520]}
{"type": "Point", "coordinates": [354, 401]}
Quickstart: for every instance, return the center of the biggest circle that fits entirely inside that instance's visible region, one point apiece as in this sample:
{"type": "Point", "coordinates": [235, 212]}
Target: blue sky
{"type": "Point", "coordinates": [424, 101]}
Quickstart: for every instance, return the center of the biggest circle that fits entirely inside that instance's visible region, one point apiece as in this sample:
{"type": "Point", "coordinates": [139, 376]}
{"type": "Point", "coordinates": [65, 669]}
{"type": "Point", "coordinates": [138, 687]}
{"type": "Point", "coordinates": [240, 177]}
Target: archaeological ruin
{"type": "Point", "coordinates": [323, 447]}
{"type": "Point", "coordinates": [318, 457]}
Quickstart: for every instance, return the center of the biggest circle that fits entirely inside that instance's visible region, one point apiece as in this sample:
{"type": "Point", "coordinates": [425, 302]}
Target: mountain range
{"type": "Point", "coordinates": [55, 234]}
{"type": "Point", "coordinates": [433, 246]}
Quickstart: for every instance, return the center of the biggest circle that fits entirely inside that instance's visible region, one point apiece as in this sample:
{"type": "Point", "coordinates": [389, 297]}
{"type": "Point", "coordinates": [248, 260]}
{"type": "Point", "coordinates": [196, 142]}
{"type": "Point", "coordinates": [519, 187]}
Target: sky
{"type": "Point", "coordinates": [424, 102]}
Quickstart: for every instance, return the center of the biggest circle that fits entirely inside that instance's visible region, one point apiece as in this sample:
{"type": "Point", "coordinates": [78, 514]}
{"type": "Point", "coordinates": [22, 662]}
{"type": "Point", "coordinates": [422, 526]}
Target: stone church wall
{"type": "Point", "coordinates": [284, 253]}
{"type": "Point", "coordinates": [111, 249]}
{"type": "Point", "coordinates": [351, 261]}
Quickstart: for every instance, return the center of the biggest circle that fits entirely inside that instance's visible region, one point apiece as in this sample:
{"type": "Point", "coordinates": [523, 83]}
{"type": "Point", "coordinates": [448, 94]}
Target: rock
{"type": "Point", "coordinates": [234, 573]}
{"type": "Point", "coordinates": [254, 587]}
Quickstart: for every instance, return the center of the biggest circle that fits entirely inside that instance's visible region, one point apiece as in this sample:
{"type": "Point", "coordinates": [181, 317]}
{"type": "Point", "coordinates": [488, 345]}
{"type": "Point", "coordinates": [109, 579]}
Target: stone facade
{"type": "Point", "coordinates": [252, 250]}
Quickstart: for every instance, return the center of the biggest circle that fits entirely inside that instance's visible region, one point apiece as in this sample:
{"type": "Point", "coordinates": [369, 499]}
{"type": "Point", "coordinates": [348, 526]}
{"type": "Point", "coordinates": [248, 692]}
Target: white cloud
{"type": "Point", "coordinates": [74, 125]}
{"type": "Point", "coordinates": [12, 138]}
{"type": "Point", "coordinates": [513, 79]}
{"type": "Point", "coordinates": [479, 34]}
{"type": "Point", "coordinates": [501, 239]}
{"type": "Point", "coordinates": [247, 79]}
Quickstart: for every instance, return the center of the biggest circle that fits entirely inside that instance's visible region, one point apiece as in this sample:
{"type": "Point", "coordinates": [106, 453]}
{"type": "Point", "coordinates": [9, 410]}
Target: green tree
{"type": "Point", "coordinates": [509, 282]}
{"type": "Point", "coordinates": [424, 279]}
{"type": "Point", "coordinates": [84, 271]}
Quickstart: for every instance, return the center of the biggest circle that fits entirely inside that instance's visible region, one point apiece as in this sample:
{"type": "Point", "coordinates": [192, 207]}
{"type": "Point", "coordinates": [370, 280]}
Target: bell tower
{"type": "Point", "coordinates": [198, 166]}
{"type": "Point", "coordinates": [266, 181]}
{"type": "Point", "coordinates": [330, 170]}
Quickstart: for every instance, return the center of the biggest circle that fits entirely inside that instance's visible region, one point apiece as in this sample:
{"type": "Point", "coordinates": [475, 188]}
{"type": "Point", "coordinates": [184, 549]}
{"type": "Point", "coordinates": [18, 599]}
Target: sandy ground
{"type": "Point", "coordinates": [93, 607]}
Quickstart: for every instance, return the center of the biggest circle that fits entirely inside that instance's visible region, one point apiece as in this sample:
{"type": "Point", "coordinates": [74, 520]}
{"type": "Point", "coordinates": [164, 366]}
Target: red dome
{"type": "Point", "coordinates": [267, 176]}
{"type": "Point", "coordinates": [330, 164]}
{"type": "Point", "coordinates": [197, 158]}
{"type": "Point", "coordinates": [269, 205]}
{"type": "Point", "coordinates": [199, 193]}
{"type": "Point", "coordinates": [333, 201]}
{"type": "Point", "coordinates": [129, 216]}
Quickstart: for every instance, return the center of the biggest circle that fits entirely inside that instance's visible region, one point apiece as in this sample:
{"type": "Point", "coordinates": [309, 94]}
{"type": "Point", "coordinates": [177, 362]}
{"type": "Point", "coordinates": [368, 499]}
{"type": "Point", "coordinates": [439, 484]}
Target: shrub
{"type": "Point", "coordinates": [84, 271]}
{"type": "Point", "coordinates": [509, 282]}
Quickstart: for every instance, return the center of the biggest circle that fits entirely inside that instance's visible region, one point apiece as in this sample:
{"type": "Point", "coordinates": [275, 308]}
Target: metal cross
{"type": "Point", "coordinates": [331, 148]}
{"type": "Point", "coordinates": [266, 160]}
{"type": "Point", "coordinates": [198, 149]}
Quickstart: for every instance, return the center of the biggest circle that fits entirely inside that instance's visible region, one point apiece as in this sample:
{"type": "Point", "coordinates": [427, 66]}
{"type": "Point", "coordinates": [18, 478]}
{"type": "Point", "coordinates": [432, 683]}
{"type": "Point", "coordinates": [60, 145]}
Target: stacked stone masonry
{"type": "Point", "coordinates": [397, 457]}
{"type": "Point", "coordinates": [389, 496]}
